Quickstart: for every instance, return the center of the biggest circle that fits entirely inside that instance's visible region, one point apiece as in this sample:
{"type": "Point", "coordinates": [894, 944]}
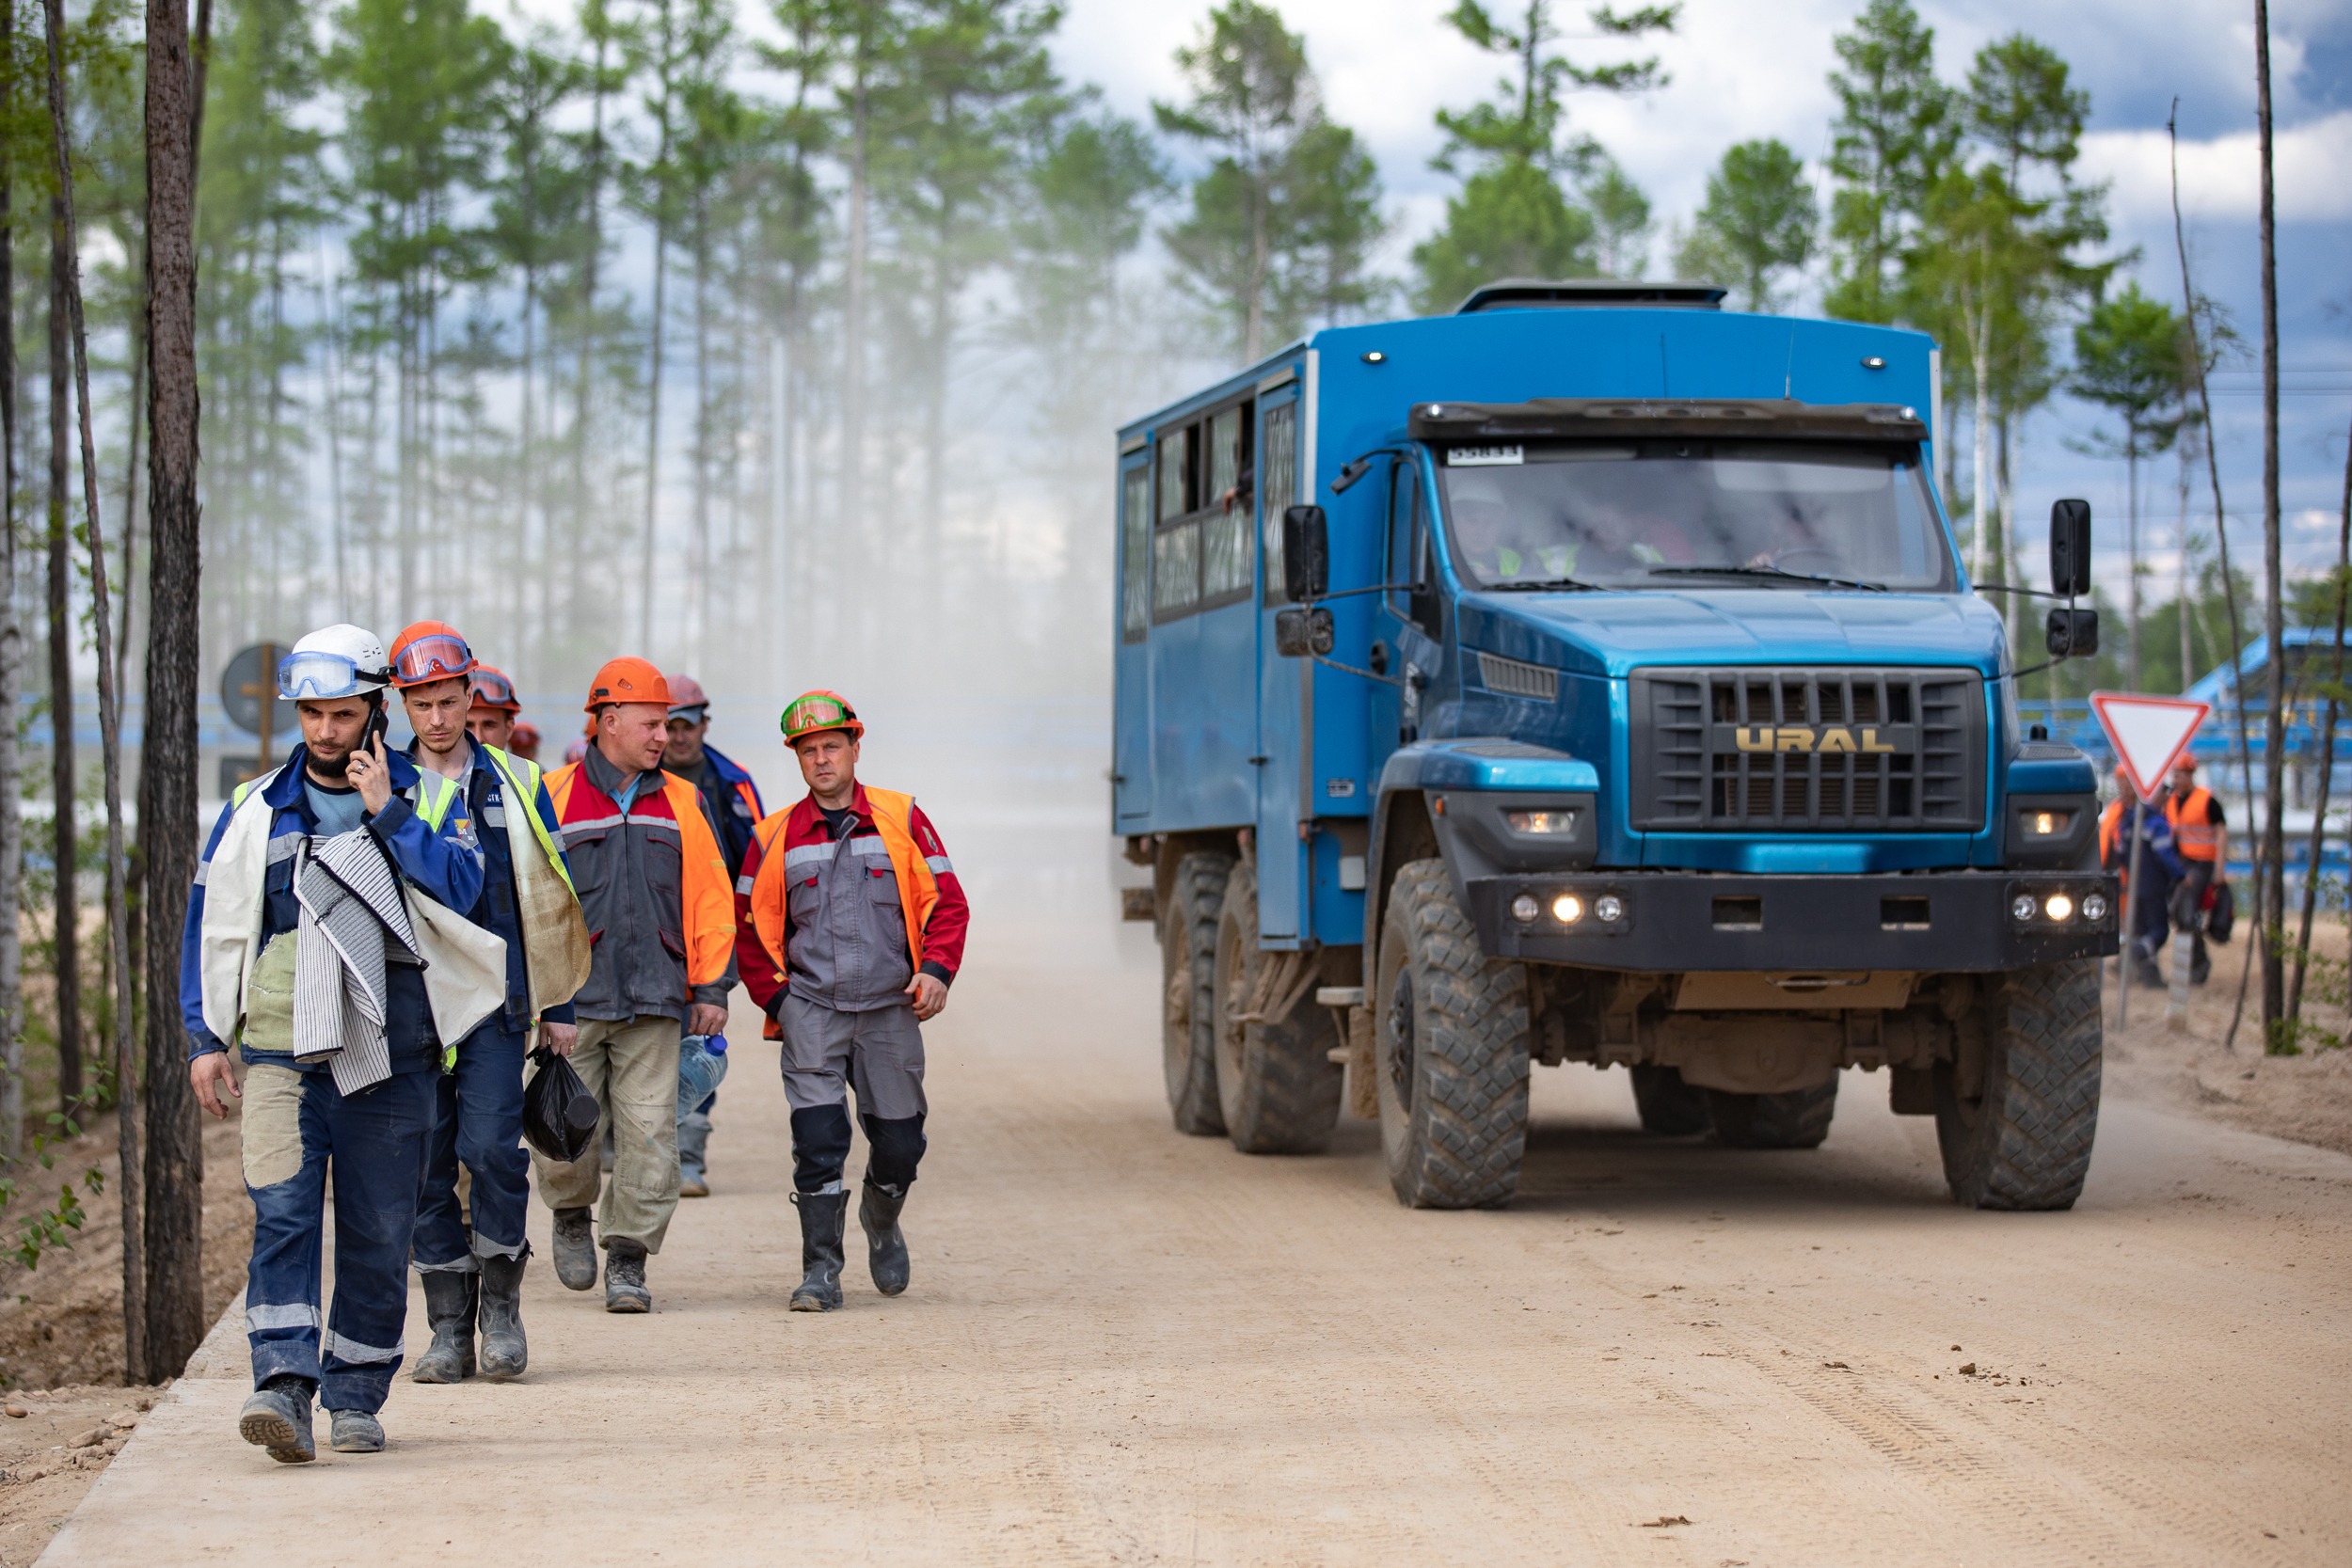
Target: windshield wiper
{"type": "Point", "coordinates": [1544, 585]}
{"type": "Point", "coordinates": [1767, 571]}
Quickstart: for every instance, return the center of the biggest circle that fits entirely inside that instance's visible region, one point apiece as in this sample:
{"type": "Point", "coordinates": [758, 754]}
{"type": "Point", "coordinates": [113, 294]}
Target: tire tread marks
{"type": "Point", "coordinates": [2030, 1145]}
{"type": "Point", "coordinates": [1468, 1118]}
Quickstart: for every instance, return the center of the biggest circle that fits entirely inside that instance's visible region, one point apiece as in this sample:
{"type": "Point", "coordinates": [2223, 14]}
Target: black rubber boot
{"type": "Point", "coordinates": [823, 1217]}
{"type": "Point", "coordinates": [575, 1250]}
{"type": "Point", "coordinates": [450, 1299]}
{"type": "Point", "coordinates": [885, 1244]}
{"type": "Point", "coordinates": [624, 1276]}
{"type": "Point", "coordinates": [505, 1352]}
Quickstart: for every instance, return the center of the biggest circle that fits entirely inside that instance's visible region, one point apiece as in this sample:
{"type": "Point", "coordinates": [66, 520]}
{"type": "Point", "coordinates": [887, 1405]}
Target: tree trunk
{"type": "Point", "coordinates": [2274, 722]}
{"type": "Point", "coordinates": [62, 846]}
{"type": "Point", "coordinates": [2131, 544]}
{"type": "Point", "coordinates": [2326, 757]}
{"type": "Point", "coordinates": [109, 724]}
{"type": "Point", "coordinates": [653, 384]}
{"type": "Point", "coordinates": [11, 672]}
{"type": "Point", "coordinates": [175, 1158]}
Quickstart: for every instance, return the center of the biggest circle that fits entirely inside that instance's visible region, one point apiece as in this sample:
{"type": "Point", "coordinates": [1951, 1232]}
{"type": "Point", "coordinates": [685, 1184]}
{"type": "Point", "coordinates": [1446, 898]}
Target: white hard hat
{"type": "Point", "coordinates": [340, 661]}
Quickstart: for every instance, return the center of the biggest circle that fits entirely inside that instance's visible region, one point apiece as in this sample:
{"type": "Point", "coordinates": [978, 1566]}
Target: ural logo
{"type": "Point", "coordinates": [1764, 738]}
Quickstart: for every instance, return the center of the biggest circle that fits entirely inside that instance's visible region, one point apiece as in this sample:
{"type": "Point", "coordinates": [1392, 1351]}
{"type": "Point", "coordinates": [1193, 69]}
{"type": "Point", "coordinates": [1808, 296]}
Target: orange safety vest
{"type": "Point", "coordinates": [707, 922]}
{"type": "Point", "coordinates": [918, 887]}
{"type": "Point", "coordinates": [2194, 834]}
{"type": "Point", "coordinates": [2110, 824]}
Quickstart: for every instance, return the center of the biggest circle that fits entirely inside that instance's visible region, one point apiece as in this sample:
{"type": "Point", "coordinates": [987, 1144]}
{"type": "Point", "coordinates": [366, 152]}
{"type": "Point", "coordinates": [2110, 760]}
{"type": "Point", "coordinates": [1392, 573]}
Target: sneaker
{"type": "Point", "coordinates": [625, 1277]}
{"type": "Point", "coordinates": [278, 1419]}
{"type": "Point", "coordinates": [575, 1250]}
{"type": "Point", "coordinates": [355, 1432]}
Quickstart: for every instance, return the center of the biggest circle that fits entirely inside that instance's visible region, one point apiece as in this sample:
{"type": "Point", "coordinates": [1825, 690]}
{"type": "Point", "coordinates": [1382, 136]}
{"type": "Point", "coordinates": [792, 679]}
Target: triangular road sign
{"type": "Point", "coordinates": [2149, 734]}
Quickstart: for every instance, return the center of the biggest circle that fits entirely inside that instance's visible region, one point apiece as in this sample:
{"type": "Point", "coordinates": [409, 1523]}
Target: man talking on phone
{"type": "Point", "coordinates": [305, 949]}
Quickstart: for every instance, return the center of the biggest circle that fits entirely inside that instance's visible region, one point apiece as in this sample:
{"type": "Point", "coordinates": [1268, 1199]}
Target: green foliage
{"type": "Point", "coordinates": [1758, 222]}
{"type": "Point", "coordinates": [1621, 220]}
{"type": "Point", "coordinates": [1895, 134]}
{"type": "Point", "coordinates": [1509, 221]}
{"type": "Point", "coordinates": [2131, 356]}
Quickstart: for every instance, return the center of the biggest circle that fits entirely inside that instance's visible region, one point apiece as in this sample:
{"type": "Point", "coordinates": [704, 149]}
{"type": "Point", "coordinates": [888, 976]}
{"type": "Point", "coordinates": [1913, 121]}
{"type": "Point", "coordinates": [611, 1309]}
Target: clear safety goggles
{"type": "Point", "coordinates": [438, 656]}
{"type": "Point", "coordinates": [315, 675]}
{"type": "Point", "coordinates": [492, 690]}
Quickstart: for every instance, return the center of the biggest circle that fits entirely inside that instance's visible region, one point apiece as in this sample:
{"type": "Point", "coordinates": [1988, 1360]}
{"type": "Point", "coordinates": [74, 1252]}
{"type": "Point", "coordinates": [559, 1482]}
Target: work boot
{"type": "Point", "coordinates": [504, 1354]}
{"type": "Point", "coordinates": [886, 1245]}
{"type": "Point", "coordinates": [277, 1416]}
{"type": "Point", "coordinates": [575, 1250]}
{"type": "Point", "coordinates": [822, 1221]}
{"type": "Point", "coordinates": [691, 1182]}
{"type": "Point", "coordinates": [450, 1300]}
{"type": "Point", "coordinates": [624, 1276]}
{"type": "Point", "coordinates": [355, 1432]}
{"type": "Point", "coordinates": [2148, 976]}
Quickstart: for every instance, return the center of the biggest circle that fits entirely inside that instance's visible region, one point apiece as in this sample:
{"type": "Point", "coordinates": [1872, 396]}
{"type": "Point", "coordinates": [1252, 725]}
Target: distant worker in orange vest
{"type": "Point", "coordinates": [2202, 838]}
{"type": "Point", "coordinates": [2149, 904]}
{"type": "Point", "coordinates": [655, 889]}
{"type": "Point", "coordinates": [850, 925]}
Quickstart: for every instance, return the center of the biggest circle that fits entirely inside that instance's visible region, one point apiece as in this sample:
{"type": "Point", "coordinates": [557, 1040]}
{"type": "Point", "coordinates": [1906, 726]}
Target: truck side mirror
{"type": "Point", "coordinates": [2069, 548]}
{"type": "Point", "coordinates": [2072, 633]}
{"type": "Point", "coordinates": [1299, 632]}
{"type": "Point", "coordinates": [1306, 554]}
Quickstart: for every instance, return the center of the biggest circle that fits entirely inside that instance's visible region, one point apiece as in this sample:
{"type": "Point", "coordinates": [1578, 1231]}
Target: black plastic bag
{"type": "Point", "coordinates": [2221, 916]}
{"type": "Point", "coordinates": [559, 1114]}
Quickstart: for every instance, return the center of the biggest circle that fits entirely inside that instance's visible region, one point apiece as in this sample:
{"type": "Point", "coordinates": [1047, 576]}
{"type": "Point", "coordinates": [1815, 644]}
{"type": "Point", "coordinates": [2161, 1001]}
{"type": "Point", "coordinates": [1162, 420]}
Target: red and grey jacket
{"type": "Point", "coordinates": [847, 923]}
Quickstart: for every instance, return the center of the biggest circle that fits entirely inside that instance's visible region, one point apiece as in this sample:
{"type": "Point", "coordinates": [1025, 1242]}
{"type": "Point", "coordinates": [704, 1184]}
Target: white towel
{"type": "Point", "coordinates": [351, 906]}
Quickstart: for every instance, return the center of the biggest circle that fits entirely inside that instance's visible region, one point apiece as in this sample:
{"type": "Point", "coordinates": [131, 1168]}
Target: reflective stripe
{"type": "Point", "coordinates": [353, 1353]}
{"type": "Point", "coordinates": [870, 844]}
{"type": "Point", "coordinates": [293, 1314]}
{"type": "Point", "coordinates": [203, 872]}
{"type": "Point", "coordinates": [494, 816]}
{"type": "Point", "coordinates": [658, 824]}
{"type": "Point", "coordinates": [806, 853]}
{"type": "Point", "coordinates": [283, 847]}
{"type": "Point", "coordinates": [940, 865]}
{"type": "Point", "coordinates": [743, 886]}
{"type": "Point", "coordinates": [591, 824]}
{"type": "Point", "coordinates": [435, 796]}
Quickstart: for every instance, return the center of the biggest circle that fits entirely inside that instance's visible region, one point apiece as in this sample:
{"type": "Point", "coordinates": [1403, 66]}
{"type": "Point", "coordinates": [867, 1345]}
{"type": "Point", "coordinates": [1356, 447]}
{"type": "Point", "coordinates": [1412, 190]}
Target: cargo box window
{"type": "Point", "coordinates": [1227, 531]}
{"type": "Point", "coordinates": [1134, 553]}
{"type": "Point", "coordinates": [1278, 489]}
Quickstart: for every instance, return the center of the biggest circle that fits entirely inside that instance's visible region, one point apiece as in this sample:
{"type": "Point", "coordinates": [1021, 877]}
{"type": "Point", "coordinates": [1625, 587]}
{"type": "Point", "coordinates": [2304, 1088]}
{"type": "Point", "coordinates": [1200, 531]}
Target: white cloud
{"type": "Point", "coordinates": [2220, 178]}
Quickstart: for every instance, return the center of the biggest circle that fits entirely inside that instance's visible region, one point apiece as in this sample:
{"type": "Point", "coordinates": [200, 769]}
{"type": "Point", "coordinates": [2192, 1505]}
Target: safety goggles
{"type": "Point", "coordinates": [316, 676]}
{"type": "Point", "coordinates": [492, 690]}
{"type": "Point", "coordinates": [809, 714]}
{"type": "Point", "coordinates": [437, 656]}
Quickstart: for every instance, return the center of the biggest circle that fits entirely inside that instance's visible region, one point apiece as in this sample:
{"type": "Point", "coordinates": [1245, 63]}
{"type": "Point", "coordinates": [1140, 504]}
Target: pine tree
{"type": "Point", "coordinates": [1758, 223]}
{"type": "Point", "coordinates": [2128, 360]}
{"type": "Point", "coordinates": [1896, 133]}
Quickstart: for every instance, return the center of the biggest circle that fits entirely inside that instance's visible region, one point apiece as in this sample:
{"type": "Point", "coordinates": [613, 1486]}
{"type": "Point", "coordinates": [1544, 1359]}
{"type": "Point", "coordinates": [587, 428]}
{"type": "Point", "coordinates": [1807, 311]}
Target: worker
{"type": "Point", "coordinates": [490, 716]}
{"type": "Point", "coordinates": [2201, 835]}
{"type": "Point", "coordinates": [524, 742]}
{"type": "Point", "coordinates": [471, 1259]}
{"type": "Point", "coordinates": [731, 801]}
{"type": "Point", "coordinates": [323, 879]}
{"type": "Point", "coordinates": [850, 929]}
{"type": "Point", "coordinates": [2148, 897]}
{"type": "Point", "coordinates": [655, 889]}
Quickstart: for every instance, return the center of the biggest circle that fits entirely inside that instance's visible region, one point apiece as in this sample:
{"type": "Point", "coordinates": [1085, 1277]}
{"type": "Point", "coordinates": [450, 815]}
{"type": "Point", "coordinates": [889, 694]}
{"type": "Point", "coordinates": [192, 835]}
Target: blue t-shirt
{"type": "Point", "coordinates": [337, 811]}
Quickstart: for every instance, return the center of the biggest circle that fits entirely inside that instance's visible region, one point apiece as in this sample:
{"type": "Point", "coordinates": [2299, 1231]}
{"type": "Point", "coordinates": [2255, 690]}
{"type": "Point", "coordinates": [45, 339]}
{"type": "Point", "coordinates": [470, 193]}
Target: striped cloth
{"type": "Point", "coordinates": [351, 911]}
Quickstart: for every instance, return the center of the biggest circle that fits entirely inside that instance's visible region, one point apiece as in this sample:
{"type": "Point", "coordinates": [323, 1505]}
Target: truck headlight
{"type": "Point", "coordinates": [2021, 906]}
{"type": "Point", "coordinates": [1567, 909]}
{"type": "Point", "coordinates": [2041, 824]}
{"type": "Point", "coordinates": [1524, 909]}
{"type": "Point", "coordinates": [1609, 909]}
{"type": "Point", "coordinates": [1552, 822]}
{"type": "Point", "coordinates": [2094, 907]}
{"type": "Point", "coordinates": [2058, 907]}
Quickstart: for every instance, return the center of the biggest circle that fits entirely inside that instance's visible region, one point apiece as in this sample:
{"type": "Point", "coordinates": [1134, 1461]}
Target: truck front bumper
{"type": "Point", "coordinates": [1674, 922]}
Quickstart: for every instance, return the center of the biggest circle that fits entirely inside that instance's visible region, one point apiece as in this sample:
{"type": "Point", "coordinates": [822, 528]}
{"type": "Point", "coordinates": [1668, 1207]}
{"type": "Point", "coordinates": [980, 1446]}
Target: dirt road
{"type": "Point", "coordinates": [1125, 1346]}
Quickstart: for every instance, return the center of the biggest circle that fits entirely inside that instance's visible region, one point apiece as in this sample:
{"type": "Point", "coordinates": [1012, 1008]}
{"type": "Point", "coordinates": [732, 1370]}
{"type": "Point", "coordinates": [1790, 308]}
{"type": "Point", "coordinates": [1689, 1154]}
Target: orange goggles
{"type": "Point", "coordinates": [438, 657]}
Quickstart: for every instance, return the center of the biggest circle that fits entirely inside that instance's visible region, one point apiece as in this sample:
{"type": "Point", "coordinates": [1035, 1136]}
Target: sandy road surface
{"type": "Point", "coordinates": [1125, 1346]}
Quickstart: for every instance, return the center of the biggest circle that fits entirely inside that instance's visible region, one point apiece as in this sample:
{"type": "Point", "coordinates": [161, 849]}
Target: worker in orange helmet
{"type": "Point", "coordinates": [731, 801]}
{"type": "Point", "coordinates": [656, 890]}
{"type": "Point", "coordinates": [490, 717]}
{"type": "Point", "coordinates": [851, 927]}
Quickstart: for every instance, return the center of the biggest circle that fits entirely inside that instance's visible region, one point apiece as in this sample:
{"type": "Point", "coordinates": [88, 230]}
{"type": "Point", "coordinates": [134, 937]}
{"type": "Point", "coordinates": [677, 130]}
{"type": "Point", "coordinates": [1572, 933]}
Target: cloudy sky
{"type": "Point", "coordinates": [1741, 69]}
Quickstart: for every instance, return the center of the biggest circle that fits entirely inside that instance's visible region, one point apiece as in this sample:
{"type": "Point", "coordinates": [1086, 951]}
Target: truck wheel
{"type": "Point", "coordinates": [2022, 1139]}
{"type": "Point", "coordinates": [1277, 1086]}
{"type": "Point", "coordinates": [1449, 1055]}
{"type": "Point", "coordinates": [1796, 1120]}
{"type": "Point", "coordinates": [1670, 1108]}
{"type": "Point", "coordinates": [1187, 991]}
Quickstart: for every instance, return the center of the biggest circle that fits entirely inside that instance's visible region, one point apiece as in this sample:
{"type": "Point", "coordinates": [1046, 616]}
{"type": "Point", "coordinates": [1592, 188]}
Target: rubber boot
{"type": "Point", "coordinates": [885, 1244]}
{"type": "Point", "coordinates": [505, 1352]}
{"type": "Point", "coordinates": [450, 1299]}
{"type": "Point", "coordinates": [823, 1217]}
{"type": "Point", "coordinates": [575, 1250]}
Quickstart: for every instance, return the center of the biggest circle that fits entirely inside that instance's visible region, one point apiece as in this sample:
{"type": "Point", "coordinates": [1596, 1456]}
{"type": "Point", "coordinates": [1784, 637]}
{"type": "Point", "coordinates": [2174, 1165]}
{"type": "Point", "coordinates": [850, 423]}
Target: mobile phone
{"type": "Point", "coordinates": [377, 725]}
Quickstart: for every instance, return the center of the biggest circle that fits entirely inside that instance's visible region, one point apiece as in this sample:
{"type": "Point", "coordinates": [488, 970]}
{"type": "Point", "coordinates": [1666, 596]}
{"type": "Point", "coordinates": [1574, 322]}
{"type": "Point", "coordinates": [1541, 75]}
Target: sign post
{"type": "Point", "coordinates": [249, 695]}
{"type": "Point", "coordinates": [2149, 735]}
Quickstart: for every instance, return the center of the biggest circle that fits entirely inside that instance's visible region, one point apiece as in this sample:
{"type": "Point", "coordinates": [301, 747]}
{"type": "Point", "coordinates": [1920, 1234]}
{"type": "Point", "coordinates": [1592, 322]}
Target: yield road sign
{"type": "Point", "coordinates": [2149, 734]}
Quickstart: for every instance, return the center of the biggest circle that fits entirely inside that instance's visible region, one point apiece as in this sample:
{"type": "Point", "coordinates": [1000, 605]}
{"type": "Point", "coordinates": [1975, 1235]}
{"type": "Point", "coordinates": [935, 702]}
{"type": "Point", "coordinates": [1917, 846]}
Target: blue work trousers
{"type": "Point", "coordinates": [477, 1118]}
{"type": "Point", "coordinates": [296, 1126]}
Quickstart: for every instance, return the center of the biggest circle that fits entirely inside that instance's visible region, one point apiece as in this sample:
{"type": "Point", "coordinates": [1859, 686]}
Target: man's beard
{"type": "Point", "coordinates": [331, 767]}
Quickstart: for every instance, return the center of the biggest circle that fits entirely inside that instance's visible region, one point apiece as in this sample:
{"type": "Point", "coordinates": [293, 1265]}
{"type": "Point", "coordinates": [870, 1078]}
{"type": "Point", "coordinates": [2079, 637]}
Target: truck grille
{"type": "Point", "coordinates": [1808, 750]}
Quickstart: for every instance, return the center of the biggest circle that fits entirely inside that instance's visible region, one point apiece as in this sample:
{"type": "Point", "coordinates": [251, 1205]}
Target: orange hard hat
{"type": "Point", "coordinates": [429, 651]}
{"type": "Point", "coordinates": [492, 690]}
{"type": "Point", "coordinates": [814, 712]}
{"type": "Point", "coordinates": [627, 680]}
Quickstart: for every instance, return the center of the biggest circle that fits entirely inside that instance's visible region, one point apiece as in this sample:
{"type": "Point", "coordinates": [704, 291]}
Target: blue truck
{"type": "Point", "coordinates": [1591, 675]}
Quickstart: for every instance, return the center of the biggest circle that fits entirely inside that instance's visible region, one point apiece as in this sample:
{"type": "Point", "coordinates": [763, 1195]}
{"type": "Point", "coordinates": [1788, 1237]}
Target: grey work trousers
{"type": "Point", "coordinates": [879, 1054]}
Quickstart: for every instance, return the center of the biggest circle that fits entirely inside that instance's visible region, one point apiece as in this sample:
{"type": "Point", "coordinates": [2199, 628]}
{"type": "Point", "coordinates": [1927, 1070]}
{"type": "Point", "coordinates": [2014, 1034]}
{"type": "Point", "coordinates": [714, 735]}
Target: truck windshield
{"type": "Point", "coordinates": [1771, 514]}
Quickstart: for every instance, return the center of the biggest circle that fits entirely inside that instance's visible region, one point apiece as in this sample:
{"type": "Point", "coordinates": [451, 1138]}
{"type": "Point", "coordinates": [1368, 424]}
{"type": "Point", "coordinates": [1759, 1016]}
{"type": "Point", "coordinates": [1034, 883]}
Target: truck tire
{"type": "Point", "coordinates": [1188, 989]}
{"type": "Point", "coordinates": [2024, 1140]}
{"type": "Point", "coordinates": [1450, 1052]}
{"type": "Point", "coordinates": [1278, 1088]}
{"type": "Point", "coordinates": [1798, 1118]}
{"type": "Point", "coordinates": [1669, 1107]}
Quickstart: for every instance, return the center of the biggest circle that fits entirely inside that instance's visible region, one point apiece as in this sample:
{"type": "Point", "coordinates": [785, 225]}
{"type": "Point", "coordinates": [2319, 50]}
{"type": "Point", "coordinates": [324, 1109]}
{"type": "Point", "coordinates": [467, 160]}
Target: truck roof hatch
{"type": "Point", "coordinates": [1538, 294]}
{"type": "Point", "coordinates": [1761, 417]}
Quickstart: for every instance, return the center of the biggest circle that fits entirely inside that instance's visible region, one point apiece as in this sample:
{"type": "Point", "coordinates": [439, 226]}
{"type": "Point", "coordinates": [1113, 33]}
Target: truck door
{"type": "Point", "coordinates": [1408, 629]}
{"type": "Point", "coordinates": [1131, 692]}
{"type": "Point", "coordinates": [1285, 690]}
